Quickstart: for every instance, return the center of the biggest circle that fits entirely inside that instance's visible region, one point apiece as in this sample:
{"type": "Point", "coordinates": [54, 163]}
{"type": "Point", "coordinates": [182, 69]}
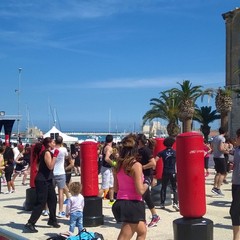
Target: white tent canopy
{"type": "Point", "coordinates": [66, 138]}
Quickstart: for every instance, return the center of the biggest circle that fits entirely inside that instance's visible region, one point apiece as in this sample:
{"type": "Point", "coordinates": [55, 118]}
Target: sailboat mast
{"type": "Point", "coordinates": [109, 121]}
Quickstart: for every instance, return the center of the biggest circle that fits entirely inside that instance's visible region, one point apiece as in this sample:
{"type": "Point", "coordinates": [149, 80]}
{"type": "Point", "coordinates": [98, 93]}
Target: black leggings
{"type": "Point", "coordinates": [8, 173]}
{"type": "Point", "coordinates": [148, 199]}
{"type": "Point", "coordinates": [45, 194]}
{"type": "Point", "coordinates": [235, 206]}
{"type": "Point", "coordinates": [165, 180]}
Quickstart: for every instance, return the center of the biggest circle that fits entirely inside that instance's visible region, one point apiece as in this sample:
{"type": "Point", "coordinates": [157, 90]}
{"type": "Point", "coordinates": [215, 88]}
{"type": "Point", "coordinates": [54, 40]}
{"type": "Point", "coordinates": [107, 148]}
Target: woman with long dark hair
{"type": "Point", "coordinates": [45, 191]}
{"type": "Point", "coordinates": [130, 185]}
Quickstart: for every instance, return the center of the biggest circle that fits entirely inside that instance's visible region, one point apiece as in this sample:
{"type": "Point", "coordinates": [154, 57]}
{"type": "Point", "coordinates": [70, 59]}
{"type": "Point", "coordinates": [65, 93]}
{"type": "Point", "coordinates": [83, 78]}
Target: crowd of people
{"type": "Point", "coordinates": [127, 172]}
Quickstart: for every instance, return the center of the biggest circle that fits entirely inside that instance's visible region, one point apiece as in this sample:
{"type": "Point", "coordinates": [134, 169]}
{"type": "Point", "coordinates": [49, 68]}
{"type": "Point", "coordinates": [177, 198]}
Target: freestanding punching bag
{"type": "Point", "coordinates": [7, 140]}
{"type": "Point", "coordinates": [31, 192]}
{"type": "Point", "coordinates": [92, 213]}
{"type": "Point", "coordinates": [191, 189]}
{"type": "Point", "coordinates": [158, 148]}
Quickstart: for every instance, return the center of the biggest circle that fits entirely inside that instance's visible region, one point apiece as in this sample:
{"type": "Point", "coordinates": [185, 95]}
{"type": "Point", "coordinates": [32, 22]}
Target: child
{"type": "Point", "coordinates": [168, 156]}
{"type": "Point", "coordinates": [75, 206]}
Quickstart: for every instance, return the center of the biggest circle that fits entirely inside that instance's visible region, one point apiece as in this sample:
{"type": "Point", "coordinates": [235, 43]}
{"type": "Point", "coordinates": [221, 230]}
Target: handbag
{"type": "Point", "coordinates": [85, 235]}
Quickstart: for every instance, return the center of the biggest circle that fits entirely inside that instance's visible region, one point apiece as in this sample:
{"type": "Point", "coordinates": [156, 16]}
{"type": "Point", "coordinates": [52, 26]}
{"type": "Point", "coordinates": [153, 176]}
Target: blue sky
{"type": "Point", "coordinates": [98, 63]}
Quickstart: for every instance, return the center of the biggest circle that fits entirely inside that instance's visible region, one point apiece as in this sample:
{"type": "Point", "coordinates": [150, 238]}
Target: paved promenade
{"type": "Point", "coordinates": [13, 216]}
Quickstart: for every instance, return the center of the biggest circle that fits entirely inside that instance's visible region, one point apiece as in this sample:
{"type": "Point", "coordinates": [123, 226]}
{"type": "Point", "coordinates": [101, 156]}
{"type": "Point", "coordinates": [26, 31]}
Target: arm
{"type": "Point", "coordinates": [49, 160]}
{"type": "Point", "coordinates": [138, 178]}
{"type": "Point", "coordinates": [71, 164]}
{"type": "Point", "coordinates": [222, 148]}
{"type": "Point", "coordinates": [151, 164]}
{"type": "Point", "coordinates": [115, 186]}
{"type": "Point", "coordinates": [17, 160]}
{"type": "Point", "coordinates": [1, 163]}
{"type": "Point", "coordinates": [108, 152]}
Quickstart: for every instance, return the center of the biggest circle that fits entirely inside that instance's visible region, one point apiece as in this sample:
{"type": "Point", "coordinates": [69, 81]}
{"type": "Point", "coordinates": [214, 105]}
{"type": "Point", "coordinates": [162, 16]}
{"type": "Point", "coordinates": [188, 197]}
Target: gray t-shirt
{"type": "Point", "coordinates": [236, 167]}
{"type": "Point", "coordinates": [216, 145]}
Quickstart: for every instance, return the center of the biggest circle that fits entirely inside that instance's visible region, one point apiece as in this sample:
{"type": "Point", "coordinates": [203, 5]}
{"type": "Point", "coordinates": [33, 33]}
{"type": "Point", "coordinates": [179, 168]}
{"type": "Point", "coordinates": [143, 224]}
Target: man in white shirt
{"type": "Point", "coordinates": [16, 151]}
{"type": "Point", "coordinates": [59, 173]}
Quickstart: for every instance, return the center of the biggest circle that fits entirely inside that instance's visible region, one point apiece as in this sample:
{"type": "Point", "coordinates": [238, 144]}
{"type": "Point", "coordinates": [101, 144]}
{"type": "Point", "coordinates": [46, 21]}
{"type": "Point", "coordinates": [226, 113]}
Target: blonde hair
{"type": "Point", "coordinates": [75, 188]}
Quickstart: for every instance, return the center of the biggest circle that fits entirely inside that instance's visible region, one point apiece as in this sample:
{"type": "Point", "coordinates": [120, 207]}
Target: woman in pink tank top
{"type": "Point", "coordinates": [130, 185]}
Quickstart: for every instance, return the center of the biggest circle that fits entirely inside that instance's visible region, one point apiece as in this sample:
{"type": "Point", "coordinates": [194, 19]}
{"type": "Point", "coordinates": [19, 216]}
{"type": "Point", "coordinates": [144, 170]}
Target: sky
{"type": "Point", "coordinates": [88, 65]}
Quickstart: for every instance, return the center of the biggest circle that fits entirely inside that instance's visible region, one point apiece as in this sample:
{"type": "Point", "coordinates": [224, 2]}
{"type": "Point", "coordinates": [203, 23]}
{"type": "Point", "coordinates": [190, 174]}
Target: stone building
{"type": "Point", "coordinates": [155, 129]}
{"type": "Point", "coordinates": [232, 21]}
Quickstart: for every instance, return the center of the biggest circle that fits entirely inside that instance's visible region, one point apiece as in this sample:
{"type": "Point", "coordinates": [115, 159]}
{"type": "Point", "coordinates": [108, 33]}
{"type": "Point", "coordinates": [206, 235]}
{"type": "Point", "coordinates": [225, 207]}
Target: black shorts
{"type": "Point", "coordinates": [8, 172]}
{"type": "Point", "coordinates": [68, 178]}
{"type": "Point", "coordinates": [220, 165]}
{"type": "Point", "coordinates": [129, 211]}
{"type": "Point", "coordinates": [235, 206]}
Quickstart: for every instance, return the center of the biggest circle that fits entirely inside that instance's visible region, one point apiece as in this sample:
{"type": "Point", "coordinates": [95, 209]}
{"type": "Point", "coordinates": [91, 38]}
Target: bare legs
{"type": "Point", "coordinates": [236, 232]}
{"type": "Point", "coordinates": [128, 229]}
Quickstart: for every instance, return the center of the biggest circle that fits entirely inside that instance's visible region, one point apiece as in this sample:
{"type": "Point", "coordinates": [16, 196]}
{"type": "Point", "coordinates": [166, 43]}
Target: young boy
{"type": "Point", "coordinates": [168, 156]}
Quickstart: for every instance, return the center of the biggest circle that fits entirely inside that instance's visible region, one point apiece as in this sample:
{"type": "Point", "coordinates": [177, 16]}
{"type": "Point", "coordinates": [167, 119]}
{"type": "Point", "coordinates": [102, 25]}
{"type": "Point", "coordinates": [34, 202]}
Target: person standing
{"type": "Point", "coordinates": [59, 173]}
{"type": "Point", "coordinates": [207, 150]}
{"type": "Point", "coordinates": [148, 162]}
{"type": "Point", "coordinates": [21, 166]}
{"type": "Point", "coordinates": [106, 170]}
{"type": "Point", "coordinates": [45, 192]}
{"type": "Point", "coordinates": [75, 154]}
{"type": "Point", "coordinates": [235, 205]}
{"type": "Point", "coordinates": [8, 157]}
{"type": "Point", "coordinates": [15, 150]}
{"type": "Point", "coordinates": [75, 206]}
{"type": "Point", "coordinates": [168, 156]}
{"type": "Point", "coordinates": [219, 149]}
{"type": "Point", "coordinates": [1, 166]}
{"type": "Point", "coordinates": [129, 183]}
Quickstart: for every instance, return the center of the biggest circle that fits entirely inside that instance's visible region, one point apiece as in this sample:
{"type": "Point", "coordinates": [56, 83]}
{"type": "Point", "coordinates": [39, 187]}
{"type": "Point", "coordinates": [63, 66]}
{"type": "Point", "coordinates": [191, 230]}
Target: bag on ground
{"type": "Point", "coordinates": [85, 235]}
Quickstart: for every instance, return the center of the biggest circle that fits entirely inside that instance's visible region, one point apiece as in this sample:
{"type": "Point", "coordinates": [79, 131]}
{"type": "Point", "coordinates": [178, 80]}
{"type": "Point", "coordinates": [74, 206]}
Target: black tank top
{"type": "Point", "coordinates": [104, 163]}
{"type": "Point", "coordinates": [44, 173]}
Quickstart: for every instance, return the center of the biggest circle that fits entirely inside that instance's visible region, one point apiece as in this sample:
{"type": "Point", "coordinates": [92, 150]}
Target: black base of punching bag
{"type": "Point", "coordinates": [30, 199]}
{"type": "Point", "coordinates": [193, 229]}
{"type": "Point", "coordinates": [155, 194]}
{"type": "Point", "coordinates": [92, 212]}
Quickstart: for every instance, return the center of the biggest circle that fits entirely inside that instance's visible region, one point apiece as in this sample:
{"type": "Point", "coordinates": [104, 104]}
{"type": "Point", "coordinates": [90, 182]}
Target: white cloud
{"type": "Point", "coordinates": [63, 10]}
{"type": "Point", "coordinates": [209, 80]}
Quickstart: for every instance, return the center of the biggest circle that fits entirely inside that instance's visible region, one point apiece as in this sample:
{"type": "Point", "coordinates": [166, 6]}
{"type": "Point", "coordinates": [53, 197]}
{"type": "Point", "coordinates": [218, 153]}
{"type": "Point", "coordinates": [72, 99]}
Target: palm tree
{"type": "Point", "coordinates": [165, 107]}
{"type": "Point", "coordinates": [187, 96]}
{"type": "Point", "coordinates": [223, 102]}
{"type": "Point", "coordinates": [204, 116]}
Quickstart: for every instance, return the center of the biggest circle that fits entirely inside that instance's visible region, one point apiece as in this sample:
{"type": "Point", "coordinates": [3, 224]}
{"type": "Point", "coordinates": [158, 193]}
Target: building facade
{"type": "Point", "coordinates": [232, 21]}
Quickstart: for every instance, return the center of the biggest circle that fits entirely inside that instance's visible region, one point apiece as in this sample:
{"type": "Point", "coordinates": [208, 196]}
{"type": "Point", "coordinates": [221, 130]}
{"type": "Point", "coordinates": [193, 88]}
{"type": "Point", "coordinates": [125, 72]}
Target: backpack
{"type": "Point", "coordinates": [85, 235]}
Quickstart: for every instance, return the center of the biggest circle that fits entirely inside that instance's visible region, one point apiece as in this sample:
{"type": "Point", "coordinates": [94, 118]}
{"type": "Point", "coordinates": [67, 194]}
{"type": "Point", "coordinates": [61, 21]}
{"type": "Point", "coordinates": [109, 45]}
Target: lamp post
{"type": "Point", "coordinates": [18, 95]}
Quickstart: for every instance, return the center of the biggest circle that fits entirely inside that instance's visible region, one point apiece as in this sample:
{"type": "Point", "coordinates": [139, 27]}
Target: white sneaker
{"type": "Point", "coordinates": [61, 214]}
{"type": "Point", "coordinates": [162, 206]}
{"type": "Point", "coordinates": [45, 212]}
{"type": "Point", "coordinates": [8, 192]}
{"type": "Point", "coordinates": [175, 206]}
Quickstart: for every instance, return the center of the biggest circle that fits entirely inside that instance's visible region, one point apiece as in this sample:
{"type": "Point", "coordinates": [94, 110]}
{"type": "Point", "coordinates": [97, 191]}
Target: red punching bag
{"type": "Point", "coordinates": [89, 169]}
{"type": "Point", "coordinates": [190, 174]}
{"type": "Point", "coordinates": [33, 164]}
{"type": "Point", "coordinates": [158, 148]}
{"type": "Point", "coordinates": [7, 140]}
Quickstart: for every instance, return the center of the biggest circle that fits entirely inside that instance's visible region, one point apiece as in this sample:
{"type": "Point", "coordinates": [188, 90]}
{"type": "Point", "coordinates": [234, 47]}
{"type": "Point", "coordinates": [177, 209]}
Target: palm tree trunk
{"type": "Point", "coordinates": [187, 125]}
{"type": "Point", "coordinates": [224, 120]}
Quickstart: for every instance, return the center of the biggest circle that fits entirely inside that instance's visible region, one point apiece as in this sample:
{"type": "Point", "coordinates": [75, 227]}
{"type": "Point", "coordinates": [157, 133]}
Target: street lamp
{"type": "Point", "coordinates": [18, 94]}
